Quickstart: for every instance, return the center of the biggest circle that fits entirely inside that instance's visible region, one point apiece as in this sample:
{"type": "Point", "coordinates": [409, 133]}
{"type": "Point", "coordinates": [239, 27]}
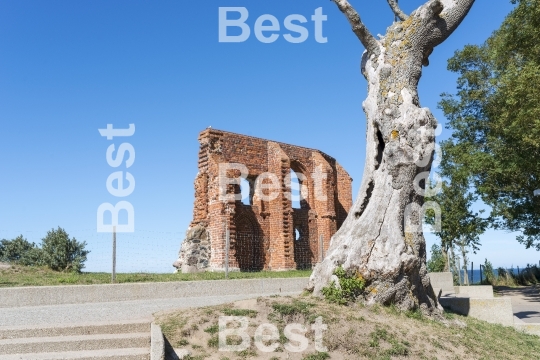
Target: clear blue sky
{"type": "Point", "coordinates": [68, 68]}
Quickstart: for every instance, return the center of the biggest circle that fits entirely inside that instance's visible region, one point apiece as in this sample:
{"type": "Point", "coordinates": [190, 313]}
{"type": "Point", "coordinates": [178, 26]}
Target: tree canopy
{"type": "Point", "coordinates": [495, 119]}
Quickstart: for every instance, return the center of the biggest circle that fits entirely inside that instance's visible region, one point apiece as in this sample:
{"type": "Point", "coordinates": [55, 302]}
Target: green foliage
{"type": "Point", "coordinates": [349, 288]}
{"type": "Point", "coordinates": [414, 314]}
{"type": "Point", "coordinates": [495, 118]}
{"type": "Point", "coordinates": [57, 251]}
{"type": "Point", "coordinates": [62, 253]}
{"type": "Point", "coordinates": [397, 348]}
{"type": "Point", "coordinates": [214, 329]}
{"type": "Point", "coordinates": [437, 261]}
{"type": "Point", "coordinates": [526, 277]}
{"type": "Point", "coordinates": [21, 252]}
{"type": "Point", "coordinates": [213, 342]}
{"type": "Point", "coordinates": [317, 356]}
{"type": "Point", "coordinates": [296, 307]}
{"type": "Point", "coordinates": [458, 222]}
{"type": "Point", "coordinates": [488, 272]}
{"type": "Point", "coordinates": [240, 312]}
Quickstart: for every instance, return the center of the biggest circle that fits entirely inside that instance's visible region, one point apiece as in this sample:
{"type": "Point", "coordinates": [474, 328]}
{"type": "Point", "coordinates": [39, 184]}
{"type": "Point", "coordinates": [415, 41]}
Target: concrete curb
{"type": "Point", "coordinates": [157, 345]}
{"type": "Point", "coordinates": [533, 329]}
{"type": "Point", "coordinates": [80, 294]}
{"type": "Point", "coordinates": [494, 310]}
{"type": "Point", "coordinates": [475, 291]}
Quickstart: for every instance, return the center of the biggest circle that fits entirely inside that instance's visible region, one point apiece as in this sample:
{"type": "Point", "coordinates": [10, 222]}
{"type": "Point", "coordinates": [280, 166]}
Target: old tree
{"type": "Point", "coordinates": [381, 241]}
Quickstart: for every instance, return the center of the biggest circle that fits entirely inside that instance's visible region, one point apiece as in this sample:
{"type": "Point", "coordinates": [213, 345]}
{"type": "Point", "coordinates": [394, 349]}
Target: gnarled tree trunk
{"type": "Point", "coordinates": [379, 239]}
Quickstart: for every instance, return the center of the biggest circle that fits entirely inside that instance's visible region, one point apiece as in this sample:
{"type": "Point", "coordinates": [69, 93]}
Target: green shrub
{"type": "Point", "coordinates": [350, 286]}
{"type": "Point", "coordinates": [296, 307]}
{"type": "Point", "coordinates": [20, 251]}
{"type": "Point", "coordinates": [62, 253]}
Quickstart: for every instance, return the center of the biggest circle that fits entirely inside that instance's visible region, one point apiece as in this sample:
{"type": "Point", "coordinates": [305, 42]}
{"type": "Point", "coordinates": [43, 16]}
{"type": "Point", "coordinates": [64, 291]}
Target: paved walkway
{"type": "Point", "coordinates": [525, 302]}
{"type": "Point", "coordinates": [105, 312]}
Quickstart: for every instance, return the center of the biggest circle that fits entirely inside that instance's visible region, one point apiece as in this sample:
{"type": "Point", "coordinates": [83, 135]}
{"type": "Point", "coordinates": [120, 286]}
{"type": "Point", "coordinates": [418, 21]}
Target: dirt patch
{"type": "Point", "coordinates": [4, 266]}
{"type": "Point", "coordinates": [354, 332]}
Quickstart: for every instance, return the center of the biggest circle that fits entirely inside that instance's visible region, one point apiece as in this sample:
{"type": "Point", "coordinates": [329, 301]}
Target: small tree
{"type": "Point", "coordinates": [488, 273]}
{"type": "Point", "coordinates": [437, 262]}
{"type": "Point", "coordinates": [62, 253]}
{"type": "Point", "coordinates": [460, 225]}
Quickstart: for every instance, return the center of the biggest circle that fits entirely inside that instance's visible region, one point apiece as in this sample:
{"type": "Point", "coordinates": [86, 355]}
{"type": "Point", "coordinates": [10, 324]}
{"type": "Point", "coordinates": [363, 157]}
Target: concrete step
{"type": "Point", "coordinates": [74, 343]}
{"type": "Point", "coordinates": [105, 354]}
{"type": "Point", "coordinates": [530, 328]}
{"type": "Point", "coordinates": [137, 326]}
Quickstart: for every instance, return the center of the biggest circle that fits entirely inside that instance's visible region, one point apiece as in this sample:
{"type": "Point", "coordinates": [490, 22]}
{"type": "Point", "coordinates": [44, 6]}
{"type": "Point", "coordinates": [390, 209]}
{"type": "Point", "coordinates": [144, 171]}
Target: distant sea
{"type": "Point", "coordinates": [476, 273]}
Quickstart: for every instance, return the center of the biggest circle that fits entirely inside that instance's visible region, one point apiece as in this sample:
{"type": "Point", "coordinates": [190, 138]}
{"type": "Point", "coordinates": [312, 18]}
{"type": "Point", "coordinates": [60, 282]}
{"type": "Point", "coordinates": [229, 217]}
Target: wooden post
{"type": "Point", "coordinates": [113, 274]}
{"type": "Point", "coordinates": [459, 271]}
{"type": "Point", "coordinates": [472, 276]}
{"type": "Point", "coordinates": [480, 274]}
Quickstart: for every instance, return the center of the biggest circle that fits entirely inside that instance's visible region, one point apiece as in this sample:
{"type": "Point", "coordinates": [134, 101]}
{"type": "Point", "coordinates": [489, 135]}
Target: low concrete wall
{"type": "Point", "coordinates": [475, 291]}
{"type": "Point", "coordinates": [442, 280]}
{"type": "Point", "coordinates": [495, 310]}
{"type": "Point", "coordinates": [80, 294]}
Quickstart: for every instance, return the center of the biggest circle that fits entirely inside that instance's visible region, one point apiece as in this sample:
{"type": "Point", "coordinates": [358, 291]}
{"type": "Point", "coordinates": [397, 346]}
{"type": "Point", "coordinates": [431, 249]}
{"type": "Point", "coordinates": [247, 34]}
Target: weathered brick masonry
{"type": "Point", "coordinates": [268, 235]}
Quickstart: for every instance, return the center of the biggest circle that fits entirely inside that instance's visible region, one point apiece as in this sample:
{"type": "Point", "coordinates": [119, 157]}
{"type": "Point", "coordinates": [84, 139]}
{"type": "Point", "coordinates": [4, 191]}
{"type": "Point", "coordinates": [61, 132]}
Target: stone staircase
{"type": "Point", "coordinates": [478, 301]}
{"type": "Point", "coordinates": [119, 341]}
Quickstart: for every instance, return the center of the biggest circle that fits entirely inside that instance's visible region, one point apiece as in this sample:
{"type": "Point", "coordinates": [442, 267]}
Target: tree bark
{"type": "Point", "coordinates": [465, 261]}
{"type": "Point", "coordinates": [445, 256]}
{"type": "Point", "coordinates": [380, 239]}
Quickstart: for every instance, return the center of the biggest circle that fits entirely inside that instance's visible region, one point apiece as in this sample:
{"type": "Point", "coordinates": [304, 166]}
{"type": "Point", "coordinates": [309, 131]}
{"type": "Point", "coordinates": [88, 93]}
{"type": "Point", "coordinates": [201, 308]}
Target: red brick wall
{"type": "Point", "coordinates": [262, 235]}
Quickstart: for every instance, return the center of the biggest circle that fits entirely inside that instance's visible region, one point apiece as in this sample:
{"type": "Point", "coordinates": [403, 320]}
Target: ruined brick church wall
{"type": "Point", "coordinates": [263, 235]}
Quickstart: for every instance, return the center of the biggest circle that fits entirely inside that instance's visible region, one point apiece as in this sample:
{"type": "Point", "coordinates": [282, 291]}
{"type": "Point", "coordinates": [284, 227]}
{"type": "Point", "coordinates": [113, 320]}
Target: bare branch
{"type": "Point", "coordinates": [368, 40]}
{"type": "Point", "coordinates": [397, 11]}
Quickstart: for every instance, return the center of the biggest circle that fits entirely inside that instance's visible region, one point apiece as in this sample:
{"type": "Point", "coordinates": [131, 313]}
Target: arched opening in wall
{"type": "Point", "coordinates": [246, 191]}
{"type": "Point", "coordinates": [299, 185]}
{"type": "Point", "coordinates": [302, 253]}
{"type": "Point", "coordinates": [296, 193]}
{"type": "Point", "coordinates": [248, 243]}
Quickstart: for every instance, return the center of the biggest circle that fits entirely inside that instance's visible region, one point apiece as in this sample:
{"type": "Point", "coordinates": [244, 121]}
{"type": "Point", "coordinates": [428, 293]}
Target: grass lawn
{"type": "Point", "coordinates": [354, 332]}
{"type": "Point", "coordinates": [40, 276]}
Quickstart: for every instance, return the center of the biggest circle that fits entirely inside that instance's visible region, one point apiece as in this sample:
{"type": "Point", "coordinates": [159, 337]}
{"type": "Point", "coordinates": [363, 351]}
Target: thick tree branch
{"type": "Point", "coordinates": [397, 11]}
{"type": "Point", "coordinates": [368, 40]}
{"type": "Point", "coordinates": [448, 15]}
